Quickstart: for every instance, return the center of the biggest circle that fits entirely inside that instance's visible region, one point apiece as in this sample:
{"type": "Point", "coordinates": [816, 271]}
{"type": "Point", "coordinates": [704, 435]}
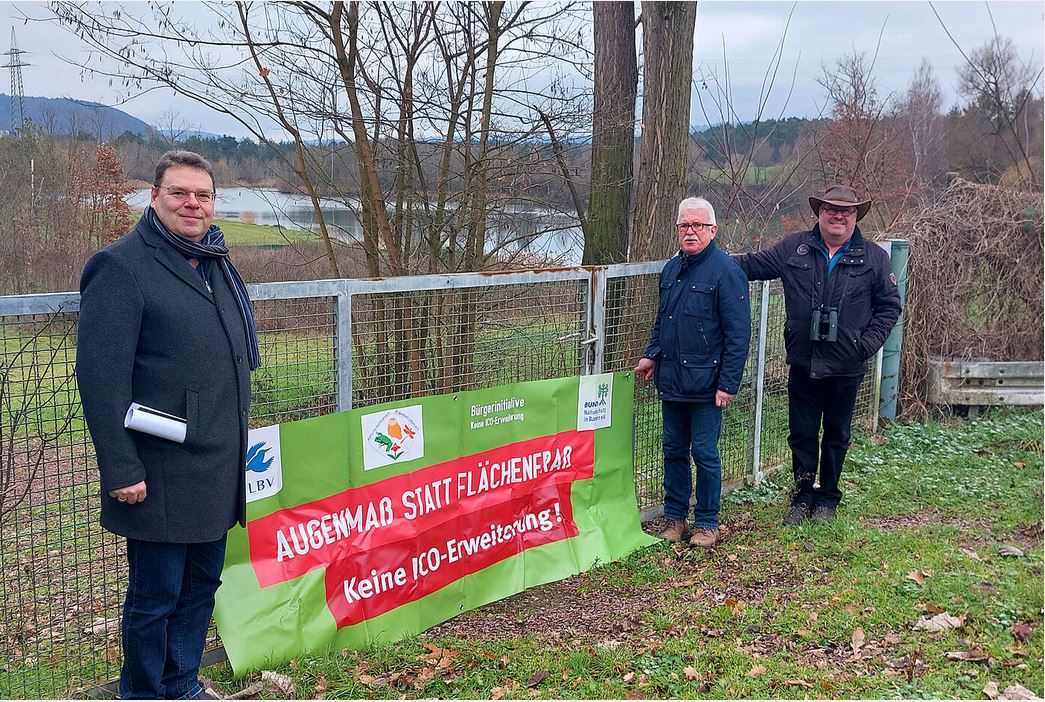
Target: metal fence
{"type": "Point", "coordinates": [326, 346]}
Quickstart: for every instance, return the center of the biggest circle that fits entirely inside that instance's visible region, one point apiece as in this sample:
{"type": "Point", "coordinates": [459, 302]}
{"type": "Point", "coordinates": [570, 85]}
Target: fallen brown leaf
{"type": "Point", "coordinates": [1019, 464]}
{"type": "Point", "coordinates": [1018, 692]}
{"type": "Point", "coordinates": [933, 608]}
{"type": "Point", "coordinates": [971, 554]}
{"type": "Point", "coordinates": [991, 690]}
{"type": "Point", "coordinates": [939, 622]}
{"type": "Point", "coordinates": [634, 695]}
{"type": "Point", "coordinates": [628, 677]}
{"type": "Point", "coordinates": [892, 638]}
{"type": "Point", "coordinates": [691, 673]}
{"type": "Point", "coordinates": [1009, 550]}
{"type": "Point", "coordinates": [799, 683]}
{"type": "Point", "coordinates": [497, 693]}
{"type": "Point", "coordinates": [1022, 631]}
{"type": "Point", "coordinates": [319, 690]}
{"type": "Point", "coordinates": [538, 678]}
{"type": "Point", "coordinates": [283, 684]}
{"type": "Point", "coordinates": [918, 576]}
{"type": "Point", "coordinates": [756, 671]}
{"type": "Point", "coordinates": [974, 654]}
{"type": "Point", "coordinates": [858, 639]}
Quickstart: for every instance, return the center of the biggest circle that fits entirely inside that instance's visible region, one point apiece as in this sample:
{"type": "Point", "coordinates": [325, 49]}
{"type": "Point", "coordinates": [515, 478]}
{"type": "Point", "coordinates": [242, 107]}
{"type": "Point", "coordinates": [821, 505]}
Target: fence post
{"type": "Point", "coordinates": [597, 284]}
{"type": "Point", "coordinates": [760, 382]}
{"type": "Point", "coordinates": [343, 350]}
{"type": "Point", "coordinates": [889, 361]}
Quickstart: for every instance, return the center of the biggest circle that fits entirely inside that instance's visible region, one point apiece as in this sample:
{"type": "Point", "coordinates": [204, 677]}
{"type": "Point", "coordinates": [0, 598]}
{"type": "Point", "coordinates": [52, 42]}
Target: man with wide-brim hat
{"type": "Point", "coordinates": [842, 302]}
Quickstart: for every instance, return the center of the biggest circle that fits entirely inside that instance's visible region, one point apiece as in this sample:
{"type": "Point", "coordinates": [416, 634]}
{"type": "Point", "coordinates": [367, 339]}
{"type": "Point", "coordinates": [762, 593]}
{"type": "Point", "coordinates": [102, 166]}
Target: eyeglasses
{"type": "Point", "coordinates": [833, 209]}
{"type": "Point", "coordinates": [695, 226]}
{"type": "Point", "coordinates": [181, 195]}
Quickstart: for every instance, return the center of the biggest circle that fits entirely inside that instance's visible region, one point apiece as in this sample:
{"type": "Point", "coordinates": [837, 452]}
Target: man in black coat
{"type": "Point", "coordinates": [697, 353]}
{"type": "Point", "coordinates": [165, 322]}
{"type": "Point", "coordinates": [841, 301]}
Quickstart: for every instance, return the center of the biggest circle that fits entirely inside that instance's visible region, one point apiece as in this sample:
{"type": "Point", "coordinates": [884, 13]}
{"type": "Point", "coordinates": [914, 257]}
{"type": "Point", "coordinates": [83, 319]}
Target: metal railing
{"type": "Point", "coordinates": [326, 346]}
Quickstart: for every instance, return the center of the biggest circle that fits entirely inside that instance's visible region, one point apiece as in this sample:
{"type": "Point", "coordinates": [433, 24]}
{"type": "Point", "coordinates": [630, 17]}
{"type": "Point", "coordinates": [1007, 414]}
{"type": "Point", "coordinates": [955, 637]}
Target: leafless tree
{"type": "Point", "coordinates": [921, 111]}
{"type": "Point", "coordinates": [173, 127]}
{"type": "Point", "coordinates": [1003, 89]}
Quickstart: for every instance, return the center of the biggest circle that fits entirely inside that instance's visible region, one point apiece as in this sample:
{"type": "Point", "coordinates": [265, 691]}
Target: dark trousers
{"type": "Point", "coordinates": [812, 402]}
{"type": "Point", "coordinates": [170, 599]}
{"type": "Point", "coordinates": [692, 428]}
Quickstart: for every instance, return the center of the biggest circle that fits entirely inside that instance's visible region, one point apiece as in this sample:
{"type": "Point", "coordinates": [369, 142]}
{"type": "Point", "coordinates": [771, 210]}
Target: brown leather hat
{"type": "Point", "coordinates": [843, 196]}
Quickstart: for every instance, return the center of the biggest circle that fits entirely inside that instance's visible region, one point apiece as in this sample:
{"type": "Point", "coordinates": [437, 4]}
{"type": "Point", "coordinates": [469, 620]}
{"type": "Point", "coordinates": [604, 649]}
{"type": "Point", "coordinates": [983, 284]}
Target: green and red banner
{"type": "Point", "coordinates": [374, 524]}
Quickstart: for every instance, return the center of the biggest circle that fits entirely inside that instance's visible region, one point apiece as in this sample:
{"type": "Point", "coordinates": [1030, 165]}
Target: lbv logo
{"type": "Point", "coordinates": [262, 470]}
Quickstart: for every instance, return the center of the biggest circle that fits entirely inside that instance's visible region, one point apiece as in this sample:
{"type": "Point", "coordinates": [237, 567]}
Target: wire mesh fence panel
{"type": "Point", "coordinates": [297, 339]}
{"type": "Point", "coordinates": [774, 448]}
{"type": "Point", "coordinates": [60, 574]}
{"type": "Point", "coordinates": [631, 308]}
{"type": "Point", "coordinates": [422, 342]}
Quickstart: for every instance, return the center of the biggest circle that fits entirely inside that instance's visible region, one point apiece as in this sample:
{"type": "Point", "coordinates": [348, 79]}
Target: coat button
{"type": "Point", "coordinates": [239, 359]}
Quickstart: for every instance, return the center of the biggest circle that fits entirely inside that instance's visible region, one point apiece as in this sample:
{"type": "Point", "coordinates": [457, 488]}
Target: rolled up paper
{"type": "Point", "coordinates": [151, 421]}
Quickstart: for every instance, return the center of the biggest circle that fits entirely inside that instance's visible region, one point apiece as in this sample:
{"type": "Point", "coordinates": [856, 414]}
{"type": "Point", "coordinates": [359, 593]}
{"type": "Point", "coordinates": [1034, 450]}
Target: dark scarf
{"type": "Point", "coordinates": [213, 246]}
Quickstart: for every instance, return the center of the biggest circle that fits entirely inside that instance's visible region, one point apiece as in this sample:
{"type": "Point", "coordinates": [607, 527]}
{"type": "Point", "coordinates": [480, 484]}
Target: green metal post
{"type": "Point", "coordinates": [900, 250]}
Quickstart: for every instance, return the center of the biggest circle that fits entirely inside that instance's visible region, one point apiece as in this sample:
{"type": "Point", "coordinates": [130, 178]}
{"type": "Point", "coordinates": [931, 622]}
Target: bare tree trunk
{"type": "Point", "coordinates": [613, 133]}
{"type": "Point", "coordinates": [667, 41]}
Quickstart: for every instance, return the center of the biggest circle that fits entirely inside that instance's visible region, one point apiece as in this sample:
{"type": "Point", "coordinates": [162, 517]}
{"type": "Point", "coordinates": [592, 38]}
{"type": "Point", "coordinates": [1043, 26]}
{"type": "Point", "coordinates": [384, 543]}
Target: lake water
{"type": "Point", "coordinates": [538, 231]}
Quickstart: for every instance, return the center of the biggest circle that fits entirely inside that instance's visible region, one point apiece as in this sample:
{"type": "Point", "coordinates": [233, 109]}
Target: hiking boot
{"type": "Point", "coordinates": [796, 514]}
{"type": "Point", "coordinates": [676, 531]}
{"type": "Point", "coordinates": [704, 538]}
{"type": "Point", "coordinates": [823, 514]}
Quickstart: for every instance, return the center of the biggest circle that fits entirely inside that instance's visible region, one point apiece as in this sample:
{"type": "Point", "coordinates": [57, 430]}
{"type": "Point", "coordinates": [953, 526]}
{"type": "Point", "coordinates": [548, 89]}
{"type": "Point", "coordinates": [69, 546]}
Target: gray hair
{"type": "Point", "coordinates": [182, 158]}
{"type": "Point", "coordinates": [697, 203]}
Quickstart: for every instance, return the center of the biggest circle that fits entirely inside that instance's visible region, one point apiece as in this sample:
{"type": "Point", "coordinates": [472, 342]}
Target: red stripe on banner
{"type": "Point", "coordinates": [373, 582]}
{"type": "Point", "coordinates": [458, 495]}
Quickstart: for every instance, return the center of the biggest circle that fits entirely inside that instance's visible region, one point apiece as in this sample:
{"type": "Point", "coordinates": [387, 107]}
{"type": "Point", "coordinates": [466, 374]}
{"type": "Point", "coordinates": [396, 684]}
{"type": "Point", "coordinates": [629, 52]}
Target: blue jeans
{"type": "Point", "coordinates": [170, 599]}
{"type": "Point", "coordinates": [692, 428]}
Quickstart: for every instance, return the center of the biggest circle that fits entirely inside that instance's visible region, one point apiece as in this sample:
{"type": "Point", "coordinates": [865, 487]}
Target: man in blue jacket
{"type": "Point", "coordinates": [842, 302]}
{"type": "Point", "coordinates": [697, 355]}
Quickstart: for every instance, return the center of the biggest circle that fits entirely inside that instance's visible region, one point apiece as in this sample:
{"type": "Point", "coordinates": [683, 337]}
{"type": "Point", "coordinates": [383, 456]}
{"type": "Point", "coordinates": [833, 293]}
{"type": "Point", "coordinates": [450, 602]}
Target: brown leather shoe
{"type": "Point", "coordinates": [704, 538]}
{"type": "Point", "coordinates": [676, 531]}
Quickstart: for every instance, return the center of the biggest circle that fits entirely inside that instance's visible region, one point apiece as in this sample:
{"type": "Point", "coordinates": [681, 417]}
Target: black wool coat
{"type": "Point", "coordinates": [151, 332]}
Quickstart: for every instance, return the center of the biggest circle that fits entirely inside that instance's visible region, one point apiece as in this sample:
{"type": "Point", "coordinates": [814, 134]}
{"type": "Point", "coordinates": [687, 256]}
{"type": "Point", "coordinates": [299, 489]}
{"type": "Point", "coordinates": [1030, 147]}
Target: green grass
{"type": "Point", "coordinates": [243, 234]}
{"type": "Point", "coordinates": [772, 612]}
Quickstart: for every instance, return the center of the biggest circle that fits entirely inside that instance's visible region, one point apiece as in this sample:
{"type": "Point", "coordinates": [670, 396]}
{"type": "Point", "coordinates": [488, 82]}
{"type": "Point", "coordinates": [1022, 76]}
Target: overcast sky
{"type": "Point", "coordinates": [748, 32]}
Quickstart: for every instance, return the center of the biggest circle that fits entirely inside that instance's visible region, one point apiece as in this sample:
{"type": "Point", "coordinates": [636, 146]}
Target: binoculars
{"type": "Point", "coordinates": [824, 324]}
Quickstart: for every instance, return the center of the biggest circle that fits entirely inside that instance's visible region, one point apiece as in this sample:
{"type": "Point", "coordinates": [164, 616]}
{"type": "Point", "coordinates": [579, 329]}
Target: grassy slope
{"type": "Point", "coordinates": [243, 234]}
{"type": "Point", "coordinates": [817, 611]}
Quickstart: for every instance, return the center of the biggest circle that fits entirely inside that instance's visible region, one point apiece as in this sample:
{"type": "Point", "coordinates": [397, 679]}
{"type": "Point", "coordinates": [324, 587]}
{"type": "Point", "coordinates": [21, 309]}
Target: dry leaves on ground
{"type": "Point", "coordinates": [756, 671]}
{"type": "Point", "coordinates": [691, 673]}
{"type": "Point", "coordinates": [918, 576]}
{"type": "Point", "coordinates": [1022, 631]}
{"type": "Point", "coordinates": [940, 622]}
{"type": "Point", "coordinates": [283, 684]}
{"type": "Point", "coordinates": [538, 678]}
{"type": "Point", "coordinates": [974, 654]}
{"type": "Point", "coordinates": [1012, 692]}
{"type": "Point", "coordinates": [858, 639]}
